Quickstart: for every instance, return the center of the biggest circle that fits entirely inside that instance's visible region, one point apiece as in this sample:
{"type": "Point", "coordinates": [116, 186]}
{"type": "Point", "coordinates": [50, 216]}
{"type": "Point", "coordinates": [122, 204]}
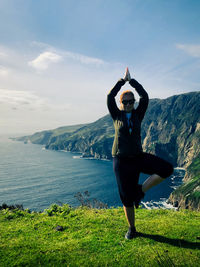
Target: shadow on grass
{"type": "Point", "coordinates": [181, 243]}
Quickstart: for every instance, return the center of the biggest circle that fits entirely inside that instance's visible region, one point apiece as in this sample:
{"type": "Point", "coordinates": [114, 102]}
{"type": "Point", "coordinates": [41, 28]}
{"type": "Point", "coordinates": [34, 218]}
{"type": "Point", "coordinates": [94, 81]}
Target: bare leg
{"type": "Point", "coordinates": [130, 215]}
{"type": "Point", "coordinates": [151, 181]}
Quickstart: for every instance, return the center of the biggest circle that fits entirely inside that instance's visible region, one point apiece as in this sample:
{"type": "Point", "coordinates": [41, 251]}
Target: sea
{"type": "Point", "coordinates": [35, 177]}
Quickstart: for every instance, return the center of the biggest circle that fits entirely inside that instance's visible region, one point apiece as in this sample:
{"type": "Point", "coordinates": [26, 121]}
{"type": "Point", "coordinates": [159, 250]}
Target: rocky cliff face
{"type": "Point", "coordinates": [92, 140]}
{"type": "Point", "coordinates": [187, 195]}
{"type": "Point", "coordinates": [170, 129]}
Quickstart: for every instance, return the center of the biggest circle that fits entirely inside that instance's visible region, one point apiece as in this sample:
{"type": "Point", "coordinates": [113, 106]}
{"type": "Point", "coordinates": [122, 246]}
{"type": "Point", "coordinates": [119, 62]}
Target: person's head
{"type": "Point", "coordinates": [127, 101]}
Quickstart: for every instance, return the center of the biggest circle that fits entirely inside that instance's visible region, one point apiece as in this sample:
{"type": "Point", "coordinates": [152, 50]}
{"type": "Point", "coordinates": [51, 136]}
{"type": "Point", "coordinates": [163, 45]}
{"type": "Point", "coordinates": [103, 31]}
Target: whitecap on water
{"type": "Point", "coordinates": [179, 168]}
{"type": "Point", "coordinates": [158, 204]}
{"type": "Point", "coordinates": [77, 157]}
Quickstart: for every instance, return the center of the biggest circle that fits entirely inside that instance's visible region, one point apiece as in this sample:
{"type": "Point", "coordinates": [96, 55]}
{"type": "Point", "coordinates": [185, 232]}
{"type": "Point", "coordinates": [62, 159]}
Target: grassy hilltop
{"type": "Point", "coordinates": [95, 237]}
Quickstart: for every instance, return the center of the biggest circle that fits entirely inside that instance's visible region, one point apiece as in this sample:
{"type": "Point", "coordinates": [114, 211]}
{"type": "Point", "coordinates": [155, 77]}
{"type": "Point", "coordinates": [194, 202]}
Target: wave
{"type": "Point", "coordinates": [173, 187]}
{"type": "Point", "coordinates": [173, 177]}
{"type": "Point", "coordinates": [90, 158]}
{"type": "Point", "coordinates": [179, 168]}
{"type": "Point", "coordinates": [161, 204]}
{"type": "Point", "coordinates": [77, 157]}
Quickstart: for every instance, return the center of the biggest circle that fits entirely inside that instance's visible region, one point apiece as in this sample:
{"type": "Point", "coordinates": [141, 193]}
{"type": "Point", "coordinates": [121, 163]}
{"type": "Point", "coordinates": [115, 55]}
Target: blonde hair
{"type": "Point", "coordinates": [128, 92]}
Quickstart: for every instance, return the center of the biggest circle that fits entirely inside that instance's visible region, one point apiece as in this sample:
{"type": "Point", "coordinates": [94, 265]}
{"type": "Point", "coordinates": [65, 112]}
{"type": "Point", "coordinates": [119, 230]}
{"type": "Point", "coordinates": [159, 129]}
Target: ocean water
{"type": "Point", "coordinates": [36, 178]}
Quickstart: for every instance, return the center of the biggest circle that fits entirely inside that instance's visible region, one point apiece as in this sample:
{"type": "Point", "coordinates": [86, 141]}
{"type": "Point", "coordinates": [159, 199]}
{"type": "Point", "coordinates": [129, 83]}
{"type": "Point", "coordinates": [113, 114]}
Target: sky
{"type": "Point", "coordinates": [59, 59]}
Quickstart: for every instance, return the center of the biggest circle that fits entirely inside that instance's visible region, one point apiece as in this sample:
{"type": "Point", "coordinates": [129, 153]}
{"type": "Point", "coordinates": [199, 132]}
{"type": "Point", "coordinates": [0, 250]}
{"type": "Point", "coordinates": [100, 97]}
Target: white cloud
{"type": "Point", "coordinates": [2, 54]}
{"type": "Point", "coordinates": [24, 111]}
{"type": "Point", "coordinates": [84, 59]}
{"type": "Point", "coordinates": [192, 50]}
{"type": "Point", "coordinates": [18, 98]}
{"type": "Point", "coordinates": [4, 71]}
{"type": "Point", "coordinates": [57, 97]}
{"type": "Point", "coordinates": [43, 61]}
{"type": "Point", "coordinates": [28, 100]}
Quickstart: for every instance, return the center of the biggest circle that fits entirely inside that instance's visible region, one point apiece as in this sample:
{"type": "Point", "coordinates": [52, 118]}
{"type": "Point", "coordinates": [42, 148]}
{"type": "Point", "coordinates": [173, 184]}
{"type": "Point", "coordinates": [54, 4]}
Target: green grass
{"type": "Point", "coordinates": [195, 166]}
{"type": "Point", "coordinates": [95, 237]}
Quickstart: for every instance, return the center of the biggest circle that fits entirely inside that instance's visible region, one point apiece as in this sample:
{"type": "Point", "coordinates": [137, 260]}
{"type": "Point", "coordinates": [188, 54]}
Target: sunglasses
{"type": "Point", "coordinates": [126, 102]}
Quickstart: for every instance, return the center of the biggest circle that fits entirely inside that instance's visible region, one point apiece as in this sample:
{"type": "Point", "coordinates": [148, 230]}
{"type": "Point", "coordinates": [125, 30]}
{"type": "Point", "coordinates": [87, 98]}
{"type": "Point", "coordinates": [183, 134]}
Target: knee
{"type": "Point", "coordinates": [128, 206]}
{"type": "Point", "coordinates": [127, 202]}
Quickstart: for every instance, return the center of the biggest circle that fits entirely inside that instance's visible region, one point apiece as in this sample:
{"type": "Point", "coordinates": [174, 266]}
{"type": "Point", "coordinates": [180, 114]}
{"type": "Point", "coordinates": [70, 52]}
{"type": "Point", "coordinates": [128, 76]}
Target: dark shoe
{"type": "Point", "coordinates": [139, 196]}
{"type": "Point", "coordinates": [131, 233]}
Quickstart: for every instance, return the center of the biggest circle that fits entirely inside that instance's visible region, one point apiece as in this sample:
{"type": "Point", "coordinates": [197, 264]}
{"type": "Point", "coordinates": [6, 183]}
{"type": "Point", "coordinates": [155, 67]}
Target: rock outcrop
{"type": "Point", "coordinates": [187, 195]}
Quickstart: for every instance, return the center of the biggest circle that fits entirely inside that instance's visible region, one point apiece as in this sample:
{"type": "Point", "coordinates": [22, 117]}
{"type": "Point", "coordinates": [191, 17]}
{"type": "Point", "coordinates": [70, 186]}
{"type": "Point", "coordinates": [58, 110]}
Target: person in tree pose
{"type": "Point", "coordinates": [129, 160]}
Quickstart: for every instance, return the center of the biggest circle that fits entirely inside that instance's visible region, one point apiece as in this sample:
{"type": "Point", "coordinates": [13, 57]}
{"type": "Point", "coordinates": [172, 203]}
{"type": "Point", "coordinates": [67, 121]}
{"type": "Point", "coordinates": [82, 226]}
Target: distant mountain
{"type": "Point", "coordinates": [45, 137]}
{"type": "Point", "coordinates": [170, 129]}
{"type": "Point", "coordinates": [93, 139]}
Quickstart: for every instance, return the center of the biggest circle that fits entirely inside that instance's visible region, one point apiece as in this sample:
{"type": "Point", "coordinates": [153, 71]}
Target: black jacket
{"type": "Point", "coordinates": [127, 144]}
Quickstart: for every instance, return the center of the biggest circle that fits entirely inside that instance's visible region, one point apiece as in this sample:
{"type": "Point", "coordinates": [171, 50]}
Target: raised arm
{"type": "Point", "coordinates": [144, 98]}
{"type": "Point", "coordinates": [111, 103]}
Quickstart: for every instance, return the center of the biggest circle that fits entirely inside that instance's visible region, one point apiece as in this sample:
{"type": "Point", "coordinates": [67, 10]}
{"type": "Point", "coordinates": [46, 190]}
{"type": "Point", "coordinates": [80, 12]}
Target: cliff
{"type": "Point", "coordinates": [187, 195]}
{"type": "Point", "coordinates": [170, 129]}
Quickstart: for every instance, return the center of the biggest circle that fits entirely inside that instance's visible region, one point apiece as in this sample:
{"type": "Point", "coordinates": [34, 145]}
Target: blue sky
{"type": "Point", "coordinates": [58, 59]}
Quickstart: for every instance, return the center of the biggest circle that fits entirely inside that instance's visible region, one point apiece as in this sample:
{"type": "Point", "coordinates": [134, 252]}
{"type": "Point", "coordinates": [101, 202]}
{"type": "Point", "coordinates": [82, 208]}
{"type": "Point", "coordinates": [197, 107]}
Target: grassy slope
{"type": "Point", "coordinates": [94, 237]}
{"type": "Point", "coordinates": [43, 137]}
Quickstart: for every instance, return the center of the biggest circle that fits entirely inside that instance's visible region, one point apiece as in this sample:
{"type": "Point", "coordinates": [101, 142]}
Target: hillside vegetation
{"type": "Point", "coordinates": [188, 194]}
{"type": "Point", "coordinates": [63, 236]}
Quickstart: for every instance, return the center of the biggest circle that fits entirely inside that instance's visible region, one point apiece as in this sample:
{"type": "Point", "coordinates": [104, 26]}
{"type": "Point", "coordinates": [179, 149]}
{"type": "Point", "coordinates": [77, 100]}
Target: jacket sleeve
{"type": "Point", "coordinates": [144, 98]}
{"type": "Point", "coordinates": [111, 103]}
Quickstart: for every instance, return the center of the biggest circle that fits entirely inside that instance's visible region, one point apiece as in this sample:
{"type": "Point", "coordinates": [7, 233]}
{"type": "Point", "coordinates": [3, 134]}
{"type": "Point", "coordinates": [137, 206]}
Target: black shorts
{"type": "Point", "coordinates": [127, 172]}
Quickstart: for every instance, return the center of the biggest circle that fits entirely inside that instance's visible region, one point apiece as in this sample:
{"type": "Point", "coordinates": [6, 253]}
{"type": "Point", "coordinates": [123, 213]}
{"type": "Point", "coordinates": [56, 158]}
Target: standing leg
{"type": "Point", "coordinates": [130, 216]}
{"type": "Point", "coordinates": [124, 170]}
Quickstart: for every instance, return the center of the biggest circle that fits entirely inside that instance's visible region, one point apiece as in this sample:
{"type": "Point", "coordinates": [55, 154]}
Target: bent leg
{"type": "Point", "coordinates": [151, 181]}
{"type": "Point", "coordinates": [157, 167]}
